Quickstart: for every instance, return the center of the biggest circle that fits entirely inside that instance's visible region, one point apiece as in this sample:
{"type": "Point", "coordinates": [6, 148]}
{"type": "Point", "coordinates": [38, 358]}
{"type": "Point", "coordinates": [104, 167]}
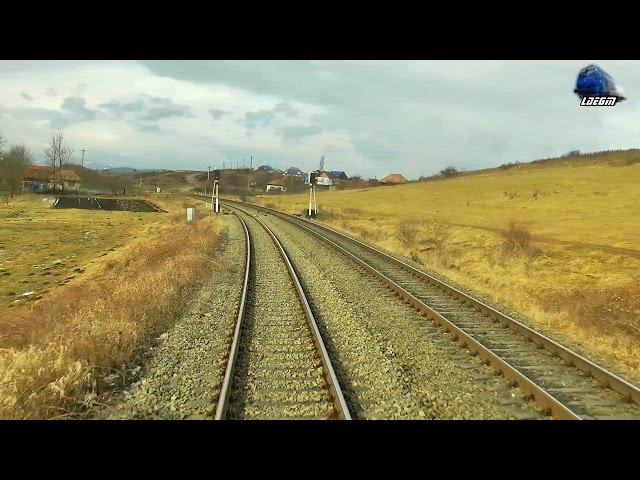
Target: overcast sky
{"type": "Point", "coordinates": [366, 117]}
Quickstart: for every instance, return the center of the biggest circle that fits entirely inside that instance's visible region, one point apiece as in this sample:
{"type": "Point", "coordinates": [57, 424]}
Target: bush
{"type": "Point", "coordinates": [449, 172]}
{"type": "Point", "coordinates": [407, 232]}
{"type": "Point", "coordinates": [517, 240]}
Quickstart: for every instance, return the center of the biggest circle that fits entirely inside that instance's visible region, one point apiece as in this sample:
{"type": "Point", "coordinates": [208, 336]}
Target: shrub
{"type": "Point", "coordinates": [407, 232]}
{"type": "Point", "coordinates": [449, 172]}
{"type": "Point", "coordinates": [517, 240]}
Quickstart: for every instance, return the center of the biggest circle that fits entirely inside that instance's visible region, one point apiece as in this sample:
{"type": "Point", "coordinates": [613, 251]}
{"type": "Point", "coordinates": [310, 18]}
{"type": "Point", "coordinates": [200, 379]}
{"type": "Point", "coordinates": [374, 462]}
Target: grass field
{"type": "Point", "coordinates": [116, 280]}
{"type": "Point", "coordinates": [42, 247]}
{"type": "Point", "coordinates": [557, 244]}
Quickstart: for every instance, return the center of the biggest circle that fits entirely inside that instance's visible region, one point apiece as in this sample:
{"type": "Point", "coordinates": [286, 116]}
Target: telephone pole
{"type": "Point", "coordinates": [83, 157]}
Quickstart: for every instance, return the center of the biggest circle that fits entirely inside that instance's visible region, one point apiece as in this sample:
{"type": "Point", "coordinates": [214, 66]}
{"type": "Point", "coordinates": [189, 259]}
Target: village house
{"type": "Point", "coordinates": [294, 172]}
{"type": "Point", "coordinates": [276, 184]}
{"type": "Point", "coordinates": [329, 179]}
{"type": "Point", "coordinates": [338, 175]}
{"type": "Point", "coordinates": [39, 178]}
{"type": "Point", "coordinates": [393, 179]}
{"type": "Point", "coordinates": [323, 179]}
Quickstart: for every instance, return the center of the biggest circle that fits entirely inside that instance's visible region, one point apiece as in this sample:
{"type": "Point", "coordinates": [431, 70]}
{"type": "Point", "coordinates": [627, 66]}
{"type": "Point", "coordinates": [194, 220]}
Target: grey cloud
{"type": "Point", "coordinates": [76, 106]}
{"type": "Point", "coordinates": [73, 110]}
{"type": "Point", "coordinates": [266, 77]}
{"type": "Point", "coordinates": [286, 109]}
{"type": "Point", "coordinates": [217, 113]}
{"type": "Point", "coordinates": [264, 118]}
{"type": "Point", "coordinates": [149, 128]}
{"type": "Point", "coordinates": [51, 92]}
{"type": "Point", "coordinates": [118, 108]}
{"type": "Point", "coordinates": [146, 108]}
{"type": "Point", "coordinates": [296, 133]}
{"type": "Point", "coordinates": [166, 109]}
{"type": "Point", "coordinates": [57, 121]}
{"type": "Point", "coordinates": [261, 118]}
{"type": "Point", "coordinates": [55, 118]}
{"type": "Point", "coordinates": [166, 112]}
{"type": "Point", "coordinates": [26, 96]}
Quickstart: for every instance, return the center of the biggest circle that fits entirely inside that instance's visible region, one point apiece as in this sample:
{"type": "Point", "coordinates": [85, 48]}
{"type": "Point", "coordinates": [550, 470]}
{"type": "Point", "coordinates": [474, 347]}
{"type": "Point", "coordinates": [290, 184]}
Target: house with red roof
{"type": "Point", "coordinates": [39, 178]}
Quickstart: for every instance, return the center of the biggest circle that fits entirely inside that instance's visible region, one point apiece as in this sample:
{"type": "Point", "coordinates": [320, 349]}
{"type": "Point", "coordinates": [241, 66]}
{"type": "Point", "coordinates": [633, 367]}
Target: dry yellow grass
{"type": "Point", "coordinates": [578, 276]}
{"type": "Point", "coordinates": [54, 352]}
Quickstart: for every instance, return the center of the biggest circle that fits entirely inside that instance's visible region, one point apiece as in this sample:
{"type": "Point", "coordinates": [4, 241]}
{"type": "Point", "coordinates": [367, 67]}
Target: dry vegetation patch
{"type": "Point", "coordinates": [56, 351]}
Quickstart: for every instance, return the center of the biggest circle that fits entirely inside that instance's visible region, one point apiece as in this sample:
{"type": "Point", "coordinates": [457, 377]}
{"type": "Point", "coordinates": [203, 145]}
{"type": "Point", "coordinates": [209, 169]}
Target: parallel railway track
{"type": "Point", "coordinates": [278, 365]}
{"type": "Point", "coordinates": [564, 383]}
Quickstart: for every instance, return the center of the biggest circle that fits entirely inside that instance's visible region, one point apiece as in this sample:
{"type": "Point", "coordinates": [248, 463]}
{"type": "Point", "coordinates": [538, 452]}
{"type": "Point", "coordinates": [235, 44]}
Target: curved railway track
{"type": "Point", "coordinates": [278, 365]}
{"type": "Point", "coordinates": [564, 383]}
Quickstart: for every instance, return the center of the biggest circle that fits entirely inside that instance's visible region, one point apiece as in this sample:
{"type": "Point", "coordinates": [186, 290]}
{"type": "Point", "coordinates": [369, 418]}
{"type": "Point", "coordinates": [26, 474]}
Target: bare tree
{"type": "Point", "coordinates": [58, 153]}
{"type": "Point", "coordinates": [13, 166]}
{"type": "Point", "coordinates": [2, 143]}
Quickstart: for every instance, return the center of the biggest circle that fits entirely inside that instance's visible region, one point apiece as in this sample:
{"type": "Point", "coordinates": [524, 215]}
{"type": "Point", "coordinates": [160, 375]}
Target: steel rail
{"type": "Point", "coordinates": [225, 392]}
{"type": "Point", "coordinates": [339, 402]}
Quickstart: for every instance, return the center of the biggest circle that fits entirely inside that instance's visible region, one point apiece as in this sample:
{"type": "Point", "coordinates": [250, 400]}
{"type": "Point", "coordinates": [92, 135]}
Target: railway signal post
{"type": "Point", "coordinates": [313, 208]}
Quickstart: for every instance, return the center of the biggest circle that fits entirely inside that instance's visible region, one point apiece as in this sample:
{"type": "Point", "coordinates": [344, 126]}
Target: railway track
{"type": "Point", "coordinates": [564, 383]}
{"type": "Point", "coordinates": [278, 365]}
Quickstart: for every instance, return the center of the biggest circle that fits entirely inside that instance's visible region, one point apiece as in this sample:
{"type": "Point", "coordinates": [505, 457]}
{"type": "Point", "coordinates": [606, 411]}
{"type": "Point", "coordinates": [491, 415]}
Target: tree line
{"type": "Point", "coordinates": [13, 163]}
{"type": "Point", "coordinates": [15, 160]}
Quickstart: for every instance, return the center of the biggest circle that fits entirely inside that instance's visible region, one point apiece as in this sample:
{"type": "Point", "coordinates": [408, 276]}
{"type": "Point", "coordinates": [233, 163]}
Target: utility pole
{"type": "Point", "coordinates": [243, 163]}
{"type": "Point", "coordinates": [250, 170]}
{"type": "Point", "coordinates": [83, 157]}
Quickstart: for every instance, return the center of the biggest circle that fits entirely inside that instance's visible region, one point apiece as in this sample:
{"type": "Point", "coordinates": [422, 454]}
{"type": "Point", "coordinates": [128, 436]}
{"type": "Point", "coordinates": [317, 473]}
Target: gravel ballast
{"type": "Point", "coordinates": [392, 363]}
{"type": "Point", "coordinates": [183, 376]}
{"type": "Point", "coordinates": [278, 372]}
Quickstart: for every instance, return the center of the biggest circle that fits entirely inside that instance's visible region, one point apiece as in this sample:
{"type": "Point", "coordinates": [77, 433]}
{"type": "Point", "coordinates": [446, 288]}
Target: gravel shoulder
{"type": "Point", "coordinates": [392, 362]}
{"type": "Point", "coordinates": [183, 374]}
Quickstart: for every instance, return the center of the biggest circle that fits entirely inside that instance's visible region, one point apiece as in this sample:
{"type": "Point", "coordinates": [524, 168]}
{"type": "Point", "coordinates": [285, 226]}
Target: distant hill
{"type": "Point", "coordinates": [575, 158]}
{"type": "Point", "coordinates": [120, 170]}
{"type": "Point", "coordinates": [133, 170]}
